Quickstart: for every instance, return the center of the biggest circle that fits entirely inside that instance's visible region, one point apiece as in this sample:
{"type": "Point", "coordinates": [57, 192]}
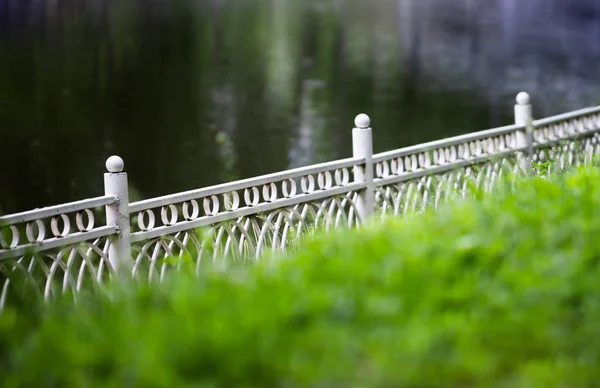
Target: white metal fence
{"type": "Point", "coordinates": [64, 248]}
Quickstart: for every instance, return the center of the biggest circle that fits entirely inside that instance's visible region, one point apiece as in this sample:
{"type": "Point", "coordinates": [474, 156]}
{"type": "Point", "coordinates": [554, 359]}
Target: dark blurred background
{"type": "Point", "coordinates": [197, 92]}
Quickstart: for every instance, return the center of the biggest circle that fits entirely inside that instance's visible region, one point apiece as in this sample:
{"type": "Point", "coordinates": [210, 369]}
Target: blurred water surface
{"type": "Point", "coordinates": [197, 92]}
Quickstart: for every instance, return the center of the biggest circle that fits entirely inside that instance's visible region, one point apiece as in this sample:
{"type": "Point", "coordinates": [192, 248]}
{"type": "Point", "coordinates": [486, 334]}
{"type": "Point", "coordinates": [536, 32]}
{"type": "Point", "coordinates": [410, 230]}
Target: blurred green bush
{"type": "Point", "coordinates": [499, 292]}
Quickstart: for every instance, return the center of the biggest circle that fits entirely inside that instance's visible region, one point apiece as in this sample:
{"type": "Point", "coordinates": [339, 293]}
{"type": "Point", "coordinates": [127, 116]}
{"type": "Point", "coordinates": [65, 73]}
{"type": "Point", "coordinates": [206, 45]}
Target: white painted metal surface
{"type": "Point", "coordinates": [362, 147]}
{"type": "Point", "coordinates": [117, 213]}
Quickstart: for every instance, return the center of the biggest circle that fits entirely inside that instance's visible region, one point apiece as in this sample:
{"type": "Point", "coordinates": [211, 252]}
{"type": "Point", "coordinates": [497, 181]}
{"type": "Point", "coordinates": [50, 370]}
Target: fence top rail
{"type": "Point", "coordinates": [151, 203]}
{"type": "Point", "coordinates": [566, 116]}
{"type": "Point", "coordinates": [448, 142]}
{"type": "Point", "coordinates": [50, 211]}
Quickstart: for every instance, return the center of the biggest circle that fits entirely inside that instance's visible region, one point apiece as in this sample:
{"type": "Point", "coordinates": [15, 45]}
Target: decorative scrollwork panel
{"type": "Point", "coordinates": [222, 202]}
{"type": "Point", "coordinates": [54, 250]}
{"type": "Point", "coordinates": [46, 274]}
{"type": "Point", "coordinates": [431, 190]}
{"type": "Point", "coordinates": [564, 154]}
{"type": "Point", "coordinates": [245, 237]}
{"type": "Point", "coordinates": [567, 128]}
{"type": "Point", "coordinates": [36, 232]}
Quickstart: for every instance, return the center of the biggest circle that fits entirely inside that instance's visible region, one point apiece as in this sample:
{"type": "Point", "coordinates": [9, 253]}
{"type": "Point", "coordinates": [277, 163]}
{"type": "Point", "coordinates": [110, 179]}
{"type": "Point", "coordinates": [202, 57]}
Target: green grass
{"type": "Point", "coordinates": [499, 292]}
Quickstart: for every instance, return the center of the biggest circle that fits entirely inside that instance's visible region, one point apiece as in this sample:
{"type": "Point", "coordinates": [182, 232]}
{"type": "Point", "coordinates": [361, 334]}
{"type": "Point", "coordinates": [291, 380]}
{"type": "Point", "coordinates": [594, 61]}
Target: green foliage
{"type": "Point", "coordinates": [499, 292]}
{"type": "Point", "coordinates": [541, 168]}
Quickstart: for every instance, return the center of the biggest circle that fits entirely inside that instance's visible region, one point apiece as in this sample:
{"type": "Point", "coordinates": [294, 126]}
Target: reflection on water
{"type": "Point", "coordinates": [192, 93]}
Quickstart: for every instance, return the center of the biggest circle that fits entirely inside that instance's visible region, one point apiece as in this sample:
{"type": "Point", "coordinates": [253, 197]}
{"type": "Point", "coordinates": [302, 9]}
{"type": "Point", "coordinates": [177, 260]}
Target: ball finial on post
{"type": "Point", "coordinates": [362, 121]}
{"type": "Point", "coordinates": [523, 98]}
{"type": "Point", "coordinates": [115, 164]}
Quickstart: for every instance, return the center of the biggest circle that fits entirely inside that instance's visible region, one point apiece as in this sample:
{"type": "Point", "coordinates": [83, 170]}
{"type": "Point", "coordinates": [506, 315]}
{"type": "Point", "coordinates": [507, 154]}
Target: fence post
{"type": "Point", "coordinates": [523, 116]}
{"type": "Point", "coordinates": [362, 147]}
{"type": "Point", "coordinates": [115, 183]}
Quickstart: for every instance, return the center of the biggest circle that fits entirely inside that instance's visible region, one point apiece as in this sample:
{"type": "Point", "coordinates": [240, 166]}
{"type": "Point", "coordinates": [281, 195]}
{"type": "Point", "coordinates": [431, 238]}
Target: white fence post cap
{"type": "Point", "coordinates": [115, 164]}
{"type": "Point", "coordinates": [523, 98]}
{"type": "Point", "coordinates": [362, 121]}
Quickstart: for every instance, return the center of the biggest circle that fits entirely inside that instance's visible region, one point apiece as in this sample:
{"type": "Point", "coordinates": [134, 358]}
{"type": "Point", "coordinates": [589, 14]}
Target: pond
{"type": "Point", "coordinates": [194, 93]}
